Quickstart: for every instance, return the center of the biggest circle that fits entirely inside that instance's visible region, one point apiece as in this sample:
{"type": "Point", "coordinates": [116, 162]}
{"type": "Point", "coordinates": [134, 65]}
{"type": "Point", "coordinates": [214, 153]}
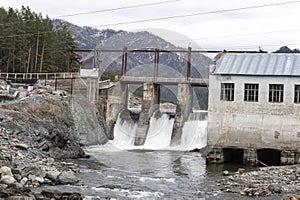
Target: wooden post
{"type": "Point", "coordinates": [55, 88]}
{"type": "Point", "coordinates": [72, 79]}
{"type": "Point", "coordinates": [189, 58]}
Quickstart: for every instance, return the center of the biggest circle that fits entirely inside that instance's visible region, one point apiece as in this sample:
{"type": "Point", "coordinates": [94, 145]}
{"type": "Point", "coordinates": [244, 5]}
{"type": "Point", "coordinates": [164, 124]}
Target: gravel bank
{"type": "Point", "coordinates": [265, 181]}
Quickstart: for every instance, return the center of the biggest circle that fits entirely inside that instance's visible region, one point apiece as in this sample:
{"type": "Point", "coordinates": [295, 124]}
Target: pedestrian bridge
{"type": "Point", "coordinates": [162, 80]}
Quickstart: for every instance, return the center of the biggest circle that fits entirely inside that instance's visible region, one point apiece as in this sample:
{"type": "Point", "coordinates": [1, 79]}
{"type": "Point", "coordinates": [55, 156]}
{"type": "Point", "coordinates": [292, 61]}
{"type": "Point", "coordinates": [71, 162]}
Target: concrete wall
{"type": "Point", "coordinates": [183, 109]}
{"type": "Point", "coordinates": [149, 105]}
{"type": "Point", "coordinates": [253, 124]}
{"type": "Point", "coordinates": [117, 97]}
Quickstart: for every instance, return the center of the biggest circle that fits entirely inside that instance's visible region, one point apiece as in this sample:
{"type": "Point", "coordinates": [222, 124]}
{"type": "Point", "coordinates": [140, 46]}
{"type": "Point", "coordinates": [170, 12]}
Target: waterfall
{"type": "Point", "coordinates": [194, 132]}
{"type": "Point", "coordinates": [160, 131]}
{"type": "Point", "coordinates": [124, 131]}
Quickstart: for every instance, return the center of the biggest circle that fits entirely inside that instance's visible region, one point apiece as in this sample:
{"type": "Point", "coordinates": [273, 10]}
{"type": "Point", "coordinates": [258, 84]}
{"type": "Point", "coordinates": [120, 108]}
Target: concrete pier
{"type": "Point", "coordinates": [150, 104]}
{"type": "Point", "coordinates": [117, 98]}
{"type": "Point", "coordinates": [216, 155]}
{"type": "Point", "coordinates": [183, 109]}
{"type": "Point", "coordinates": [250, 157]}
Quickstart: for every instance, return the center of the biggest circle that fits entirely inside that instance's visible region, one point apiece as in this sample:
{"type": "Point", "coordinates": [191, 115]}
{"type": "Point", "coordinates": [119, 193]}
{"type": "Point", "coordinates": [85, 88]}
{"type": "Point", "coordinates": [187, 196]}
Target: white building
{"type": "Point", "coordinates": [254, 108]}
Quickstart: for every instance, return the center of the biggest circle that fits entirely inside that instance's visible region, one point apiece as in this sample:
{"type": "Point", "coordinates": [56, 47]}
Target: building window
{"type": "Point", "coordinates": [276, 93]}
{"type": "Point", "coordinates": [227, 91]}
{"type": "Point", "coordinates": [251, 92]}
{"type": "Point", "coordinates": [297, 94]}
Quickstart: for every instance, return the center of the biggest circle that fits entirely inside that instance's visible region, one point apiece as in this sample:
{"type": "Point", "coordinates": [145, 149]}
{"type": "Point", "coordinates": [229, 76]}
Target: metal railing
{"type": "Point", "coordinates": [134, 79]}
{"type": "Point", "coordinates": [43, 76]}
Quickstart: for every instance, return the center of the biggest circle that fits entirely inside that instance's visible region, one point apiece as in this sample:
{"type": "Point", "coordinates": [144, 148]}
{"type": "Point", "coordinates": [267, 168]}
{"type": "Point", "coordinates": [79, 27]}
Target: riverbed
{"type": "Point", "coordinates": [148, 174]}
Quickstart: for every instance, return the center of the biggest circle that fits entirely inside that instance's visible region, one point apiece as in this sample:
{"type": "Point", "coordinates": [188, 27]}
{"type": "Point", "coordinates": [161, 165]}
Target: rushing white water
{"type": "Point", "coordinates": [194, 133]}
{"type": "Point", "coordinates": [159, 133]}
{"type": "Point", "coordinates": [124, 133]}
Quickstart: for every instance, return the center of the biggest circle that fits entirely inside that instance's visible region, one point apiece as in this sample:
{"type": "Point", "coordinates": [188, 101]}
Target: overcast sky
{"type": "Point", "coordinates": [269, 27]}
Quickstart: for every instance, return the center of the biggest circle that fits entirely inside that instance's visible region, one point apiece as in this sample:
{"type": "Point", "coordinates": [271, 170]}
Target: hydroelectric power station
{"type": "Point", "coordinates": [230, 136]}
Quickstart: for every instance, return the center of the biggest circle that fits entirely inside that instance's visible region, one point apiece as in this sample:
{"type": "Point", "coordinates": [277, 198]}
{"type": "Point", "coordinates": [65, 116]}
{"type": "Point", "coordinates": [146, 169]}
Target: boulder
{"type": "Point", "coordinates": [67, 177]}
{"type": "Point", "coordinates": [7, 179]}
{"type": "Point", "coordinates": [5, 171]}
{"type": "Point", "coordinates": [52, 175]}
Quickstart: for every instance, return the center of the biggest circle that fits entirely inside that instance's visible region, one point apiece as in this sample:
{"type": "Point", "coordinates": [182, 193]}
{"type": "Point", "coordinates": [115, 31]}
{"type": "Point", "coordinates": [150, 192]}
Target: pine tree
{"type": "Point", "coordinates": [30, 43]}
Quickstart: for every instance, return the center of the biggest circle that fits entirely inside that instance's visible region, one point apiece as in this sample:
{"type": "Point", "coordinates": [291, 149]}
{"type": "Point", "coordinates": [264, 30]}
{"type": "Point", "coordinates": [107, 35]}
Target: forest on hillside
{"type": "Point", "coordinates": [29, 43]}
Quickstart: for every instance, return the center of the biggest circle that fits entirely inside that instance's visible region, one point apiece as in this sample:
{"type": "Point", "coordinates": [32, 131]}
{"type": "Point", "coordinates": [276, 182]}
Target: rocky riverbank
{"type": "Point", "coordinates": [265, 181]}
{"type": "Point", "coordinates": [36, 135]}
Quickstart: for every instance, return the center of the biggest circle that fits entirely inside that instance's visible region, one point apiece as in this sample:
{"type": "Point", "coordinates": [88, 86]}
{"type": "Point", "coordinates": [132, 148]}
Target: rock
{"type": "Point", "coordinates": [18, 177]}
{"type": "Point", "coordinates": [23, 181]}
{"type": "Point", "coordinates": [31, 177]}
{"type": "Point", "coordinates": [38, 181]}
{"type": "Point", "coordinates": [8, 180]}
{"type": "Point", "coordinates": [34, 170]}
{"type": "Point", "coordinates": [22, 146]}
{"type": "Point", "coordinates": [291, 197]}
{"type": "Point", "coordinates": [275, 188]}
{"type": "Point", "coordinates": [20, 198]}
{"type": "Point", "coordinates": [5, 171]}
{"type": "Point", "coordinates": [50, 161]}
{"type": "Point", "coordinates": [225, 173]}
{"type": "Point", "coordinates": [67, 177]}
{"type": "Point", "coordinates": [17, 185]}
{"type": "Point", "coordinates": [52, 175]}
{"type": "Point", "coordinates": [54, 194]}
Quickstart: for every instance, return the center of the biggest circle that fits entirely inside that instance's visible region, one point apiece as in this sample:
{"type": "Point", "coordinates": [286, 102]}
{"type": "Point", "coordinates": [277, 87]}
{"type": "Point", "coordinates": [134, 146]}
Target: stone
{"type": "Point", "coordinates": [31, 177]}
{"type": "Point", "coordinates": [22, 146]}
{"type": "Point", "coordinates": [8, 180]}
{"type": "Point", "coordinates": [21, 198]}
{"type": "Point", "coordinates": [52, 175]}
{"type": "Point", "coordinates": [5, 171]}
{"type": "Point", "coordinates": [39, 180]}
{"type": "Point", "coordinates": [50, 161]}
{"type": "Point", "coordinates": [291, 197]}
{"type": "Point", "coordinates": [67, 177]}
{"type": "Point", "coordinates": [18, 177]}
{"type": "Point", "coordinates": [23, 181]}
{"type": "Point", "coordinates": [225, 173]}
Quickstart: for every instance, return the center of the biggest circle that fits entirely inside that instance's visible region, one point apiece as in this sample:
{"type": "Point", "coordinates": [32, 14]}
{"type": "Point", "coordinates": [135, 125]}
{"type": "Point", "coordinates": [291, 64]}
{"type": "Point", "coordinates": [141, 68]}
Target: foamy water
{"type": "Point", "coordinates": [194, 133]}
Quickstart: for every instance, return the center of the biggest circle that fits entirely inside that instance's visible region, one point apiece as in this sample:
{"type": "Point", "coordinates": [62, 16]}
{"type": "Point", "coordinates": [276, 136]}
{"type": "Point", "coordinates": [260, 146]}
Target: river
{"type": "Point", "coordinates": [147, 174]}
{"type": "Point", "coordinates": [120, 170]}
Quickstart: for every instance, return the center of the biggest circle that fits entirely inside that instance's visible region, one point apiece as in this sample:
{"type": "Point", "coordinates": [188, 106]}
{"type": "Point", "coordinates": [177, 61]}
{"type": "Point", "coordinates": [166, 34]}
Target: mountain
{"type": "Point", "coordinates": [91, 38]}
{"type": "Point", "coordinates": [285, 49]}
{"type": "Point", "coordinates": [86, 37]}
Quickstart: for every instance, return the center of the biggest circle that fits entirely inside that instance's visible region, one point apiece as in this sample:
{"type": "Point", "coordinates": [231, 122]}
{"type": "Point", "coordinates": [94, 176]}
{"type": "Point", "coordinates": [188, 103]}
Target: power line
{"type": "Point", "coordinates": [105, 10]}
{"type": "Point", "coordinates": [197, 14]}
{"type": "Point", "coordinates": [189, 15]}
{"type": "Point", "coordinates": [242, 35]}
{"type": "Point", "coordinates": [119, 8]}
